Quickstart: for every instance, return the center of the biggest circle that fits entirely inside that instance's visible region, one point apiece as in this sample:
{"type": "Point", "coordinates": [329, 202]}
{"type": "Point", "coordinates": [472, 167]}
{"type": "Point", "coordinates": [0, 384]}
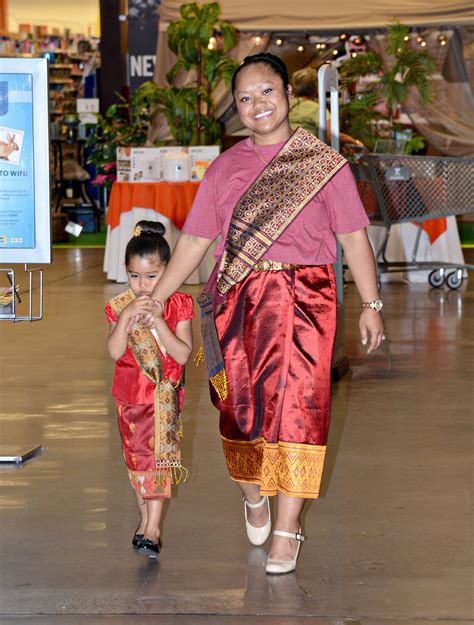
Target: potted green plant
{"type": "Point", "coordinates": [123, 124]}
{"type": "Point", "coordinates": [200, 41]}
{"type": "Point", "coordinates": [403, 69]}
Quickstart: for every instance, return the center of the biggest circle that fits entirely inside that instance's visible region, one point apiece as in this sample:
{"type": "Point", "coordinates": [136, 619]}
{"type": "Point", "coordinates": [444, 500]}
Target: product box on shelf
{"type": "Point", "coordinates": [138, 164]}
{"type": "Point", "coordinates": [146, 164]}
{"type": "Point", "coordinates": [201, 157]}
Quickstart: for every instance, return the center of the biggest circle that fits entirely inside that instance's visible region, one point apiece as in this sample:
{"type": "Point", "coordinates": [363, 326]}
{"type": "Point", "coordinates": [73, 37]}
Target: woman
{"type": "Point", "coordinates": [268, 310]}
{"type": "Point", "coordinates": [304, 108]}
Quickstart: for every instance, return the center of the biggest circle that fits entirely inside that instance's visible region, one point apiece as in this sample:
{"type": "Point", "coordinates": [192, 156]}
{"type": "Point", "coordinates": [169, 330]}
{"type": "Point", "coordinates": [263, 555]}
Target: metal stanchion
{"type": "Point", "coordinates": [9, 299]}
{"type": "Point", "coordinates": [328, 81]}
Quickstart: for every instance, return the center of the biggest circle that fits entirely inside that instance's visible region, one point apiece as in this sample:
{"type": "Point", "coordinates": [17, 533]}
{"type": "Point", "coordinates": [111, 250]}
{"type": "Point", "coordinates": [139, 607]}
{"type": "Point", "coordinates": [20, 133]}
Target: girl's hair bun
{"type": "Point", "coordinates": [151, 228]}
{"type": "Point", "coordinates": [148, 239]}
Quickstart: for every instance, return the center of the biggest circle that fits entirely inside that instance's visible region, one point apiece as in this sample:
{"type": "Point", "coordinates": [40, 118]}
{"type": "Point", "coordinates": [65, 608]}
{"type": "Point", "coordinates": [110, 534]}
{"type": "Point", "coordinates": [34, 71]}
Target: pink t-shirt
{"type": "Point", "coordinates": [308, 240]}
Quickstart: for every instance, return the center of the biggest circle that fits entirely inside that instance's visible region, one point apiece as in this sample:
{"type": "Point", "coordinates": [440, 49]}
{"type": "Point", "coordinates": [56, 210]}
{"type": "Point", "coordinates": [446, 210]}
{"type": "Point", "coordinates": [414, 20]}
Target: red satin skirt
{"type": "Point", "coordinates": [136, 424]}
{"type": "Point", "coordinates": [276, 331]}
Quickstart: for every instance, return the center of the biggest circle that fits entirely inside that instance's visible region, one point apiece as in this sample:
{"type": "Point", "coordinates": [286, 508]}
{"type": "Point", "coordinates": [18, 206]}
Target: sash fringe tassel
{"type": "Point", "coordinates": [219, 382]}
{"type": "Point", "coordinates": [177, 472]}
{"type": "Point", "coordinates": [199, 357]}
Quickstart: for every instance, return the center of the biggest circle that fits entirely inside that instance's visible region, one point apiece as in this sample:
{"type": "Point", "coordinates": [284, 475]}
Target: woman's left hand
{"type": "Point", "coordinates": [371, 329]}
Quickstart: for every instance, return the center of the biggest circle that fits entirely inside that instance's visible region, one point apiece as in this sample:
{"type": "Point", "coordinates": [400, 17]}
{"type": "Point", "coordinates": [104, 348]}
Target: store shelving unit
{"type": "Point", "coordinates": [64, 85]}
{"type": "Point", "coordinates": [66, 68]}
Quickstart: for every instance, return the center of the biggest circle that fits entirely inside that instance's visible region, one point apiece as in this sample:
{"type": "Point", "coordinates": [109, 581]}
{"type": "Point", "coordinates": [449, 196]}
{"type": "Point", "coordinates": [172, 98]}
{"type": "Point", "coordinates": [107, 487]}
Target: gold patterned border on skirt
{"type": "Point", "coordinates": [295, 469]}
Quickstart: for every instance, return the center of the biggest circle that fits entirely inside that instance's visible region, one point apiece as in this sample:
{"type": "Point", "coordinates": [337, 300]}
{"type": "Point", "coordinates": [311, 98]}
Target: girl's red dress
{"type": "Point", "coordinates": [134, 397]}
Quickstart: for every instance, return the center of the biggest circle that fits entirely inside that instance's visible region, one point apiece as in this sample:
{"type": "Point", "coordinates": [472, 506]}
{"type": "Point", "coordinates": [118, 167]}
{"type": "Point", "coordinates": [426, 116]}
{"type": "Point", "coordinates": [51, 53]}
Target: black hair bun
{"type": "Point", "coordinates": [151, 227]}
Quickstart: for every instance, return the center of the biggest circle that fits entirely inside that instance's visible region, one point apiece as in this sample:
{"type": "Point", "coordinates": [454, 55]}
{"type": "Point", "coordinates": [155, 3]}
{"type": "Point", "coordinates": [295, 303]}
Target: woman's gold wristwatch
{"type": "Point", "coordinates": [375, 304]}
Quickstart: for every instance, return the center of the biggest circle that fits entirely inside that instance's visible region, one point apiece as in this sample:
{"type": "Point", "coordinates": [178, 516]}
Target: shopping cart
{"type": "Point", "coordinates": [401, 188]}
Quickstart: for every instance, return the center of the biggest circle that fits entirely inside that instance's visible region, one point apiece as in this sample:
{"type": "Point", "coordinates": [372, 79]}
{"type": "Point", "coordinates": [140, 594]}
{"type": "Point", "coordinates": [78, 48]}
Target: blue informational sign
{"type": "Point", "coordinates": [25, 215]}
{"type": "Point", "coordinates": [17, 201]}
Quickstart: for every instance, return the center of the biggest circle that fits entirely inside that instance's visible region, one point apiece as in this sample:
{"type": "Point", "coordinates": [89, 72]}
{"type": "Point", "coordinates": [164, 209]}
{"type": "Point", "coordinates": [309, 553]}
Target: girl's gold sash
{"type": "Point", "coordinates": [168, 426]}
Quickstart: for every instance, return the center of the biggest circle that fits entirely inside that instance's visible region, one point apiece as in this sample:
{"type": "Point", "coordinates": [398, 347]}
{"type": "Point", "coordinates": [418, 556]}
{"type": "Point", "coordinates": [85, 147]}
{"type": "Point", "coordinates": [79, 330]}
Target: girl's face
{"type": "Point", "coordinates": [144, 273]}
{"type": "Point", "coordinates": [262, 103]}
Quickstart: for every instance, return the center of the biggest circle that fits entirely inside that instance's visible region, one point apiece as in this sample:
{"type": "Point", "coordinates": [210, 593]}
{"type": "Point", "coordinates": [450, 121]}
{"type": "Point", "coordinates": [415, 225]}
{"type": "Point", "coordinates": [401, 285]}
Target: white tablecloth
{"type": "Point", "coordinates": [118, 237]}
{"type": "Point", "coordinates": [446, 248]}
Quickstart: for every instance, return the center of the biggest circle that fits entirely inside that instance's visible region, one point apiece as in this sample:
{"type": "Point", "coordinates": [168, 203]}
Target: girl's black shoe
{"type": "Point", "coordinates": [137, 539]}
{"type": "Point", "coordinates": [149, 548]}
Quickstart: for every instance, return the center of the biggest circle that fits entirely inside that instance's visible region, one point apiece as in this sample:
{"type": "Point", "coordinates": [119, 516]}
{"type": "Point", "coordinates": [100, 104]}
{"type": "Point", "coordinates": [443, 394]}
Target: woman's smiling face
{"type": "Point", "coordinates": [262, 103]}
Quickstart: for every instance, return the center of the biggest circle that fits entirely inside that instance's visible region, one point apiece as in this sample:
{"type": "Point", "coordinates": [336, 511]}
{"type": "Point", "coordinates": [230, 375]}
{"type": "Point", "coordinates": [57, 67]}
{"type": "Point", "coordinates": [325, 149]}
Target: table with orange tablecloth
{"type": "Point", "coordinates": [130, 202]}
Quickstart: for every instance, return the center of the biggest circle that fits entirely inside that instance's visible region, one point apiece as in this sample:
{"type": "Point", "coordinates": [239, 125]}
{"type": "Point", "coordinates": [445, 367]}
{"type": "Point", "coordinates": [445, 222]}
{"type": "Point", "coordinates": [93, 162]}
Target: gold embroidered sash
{"type": "Point", "coordinates": [168, 426]}
{"type": "Point", "coordinates": [290, 180]}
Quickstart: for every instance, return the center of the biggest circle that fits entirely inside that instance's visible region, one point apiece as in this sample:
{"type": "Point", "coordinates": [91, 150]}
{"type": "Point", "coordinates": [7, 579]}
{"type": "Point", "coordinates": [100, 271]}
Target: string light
{"type": "Point", "coordinates": [354, 54]}
{"type": "Point", "coordinates": [258, 40]}
{"type": "Point", "coordinates": [342, 36]}
{"type": "Point", "coordinates": [443, 42]}
{"type": "Point", "coordinates": [406, 38]}
{"type": "Point", "coordinates": [423, 44]}
{"type": "Point", "coordinates": [419, 39]}
{"type": "Point", "coordinates": [279, 42]}
{"type": "Point", "coordinates": [212, 43]}
{"type": "Point", "coordinates": [357, 41]}
{"type": "Point", "coordinates": [318, 46]}
{"type": "Point", "coordinates": [335, 52]}
{"type": "Point", "coordinates": [323, 46]}
{"type": "Point", "coordinates": [300, 48]}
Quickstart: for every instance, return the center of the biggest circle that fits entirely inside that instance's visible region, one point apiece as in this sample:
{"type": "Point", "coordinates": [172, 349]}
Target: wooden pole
{"type": "Point", "coordinates": [114, 46]}
{"type": "Point", "coordinates": [3, 16]}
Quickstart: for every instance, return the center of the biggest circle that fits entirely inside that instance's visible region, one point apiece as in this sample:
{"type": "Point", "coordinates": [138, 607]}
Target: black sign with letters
{"type": "Point", "coordinates": [142, 39]}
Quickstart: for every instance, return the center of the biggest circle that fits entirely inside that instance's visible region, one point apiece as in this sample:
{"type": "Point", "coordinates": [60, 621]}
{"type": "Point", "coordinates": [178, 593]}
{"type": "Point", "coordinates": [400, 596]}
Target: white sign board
{"type": "Point", "coordinates": [25, 214]}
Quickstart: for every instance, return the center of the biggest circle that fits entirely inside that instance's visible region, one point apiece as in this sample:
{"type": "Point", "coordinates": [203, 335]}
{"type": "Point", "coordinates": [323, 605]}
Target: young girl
{"type": "Point", "coordinates": [148, 379]}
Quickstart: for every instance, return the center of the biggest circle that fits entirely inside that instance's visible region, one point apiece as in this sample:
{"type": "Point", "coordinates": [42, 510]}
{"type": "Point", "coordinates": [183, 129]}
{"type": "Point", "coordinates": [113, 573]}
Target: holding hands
{"type": "Point", "coordinates": [147, 312]}
{"type": "Point", "coordinates": [137, 311]}
{"type": "Point", "coordinates": [142, 310]}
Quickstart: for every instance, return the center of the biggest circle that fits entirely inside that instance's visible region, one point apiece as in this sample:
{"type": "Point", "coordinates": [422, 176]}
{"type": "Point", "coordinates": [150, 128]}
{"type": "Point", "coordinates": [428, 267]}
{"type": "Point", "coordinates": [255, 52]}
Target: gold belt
{"type": "Point", "coordinates": [273, 265]}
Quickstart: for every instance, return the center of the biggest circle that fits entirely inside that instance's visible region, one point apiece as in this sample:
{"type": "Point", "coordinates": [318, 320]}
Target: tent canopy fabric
{"type": "Point", "coordinates": [311, 15]}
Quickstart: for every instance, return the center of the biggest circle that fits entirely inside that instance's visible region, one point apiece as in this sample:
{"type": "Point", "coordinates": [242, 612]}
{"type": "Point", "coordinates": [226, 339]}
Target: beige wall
{"type": "Point", "coordinates": [81, 16]}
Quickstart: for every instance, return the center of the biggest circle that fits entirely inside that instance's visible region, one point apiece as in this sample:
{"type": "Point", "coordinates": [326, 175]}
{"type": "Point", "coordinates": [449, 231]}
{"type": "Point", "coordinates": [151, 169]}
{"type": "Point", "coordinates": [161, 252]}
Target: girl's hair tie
{"type": "Point", "coordinates": [137, 231]}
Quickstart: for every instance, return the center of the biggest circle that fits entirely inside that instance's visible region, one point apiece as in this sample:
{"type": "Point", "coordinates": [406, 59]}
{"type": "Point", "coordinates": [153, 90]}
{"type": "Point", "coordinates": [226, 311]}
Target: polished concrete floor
{"type": "Point", "coordinates": [390, 543]}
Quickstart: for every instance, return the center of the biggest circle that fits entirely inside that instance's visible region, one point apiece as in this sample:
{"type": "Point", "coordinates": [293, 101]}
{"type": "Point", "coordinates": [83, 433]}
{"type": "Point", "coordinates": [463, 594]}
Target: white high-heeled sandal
{"type": "Point", "coordinates": [279, 567]}
{"type": "Point", "coordinates": [258, 535]}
